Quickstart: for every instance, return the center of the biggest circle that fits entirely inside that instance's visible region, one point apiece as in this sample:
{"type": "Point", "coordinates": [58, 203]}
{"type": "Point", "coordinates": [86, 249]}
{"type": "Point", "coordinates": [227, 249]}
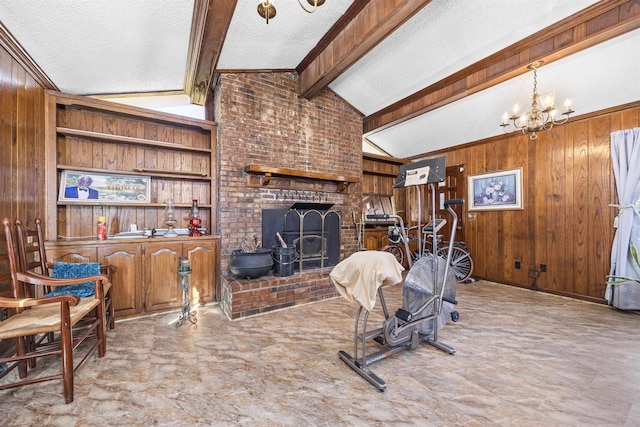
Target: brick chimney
{"type": "Point", "coordinates": [261, 120]}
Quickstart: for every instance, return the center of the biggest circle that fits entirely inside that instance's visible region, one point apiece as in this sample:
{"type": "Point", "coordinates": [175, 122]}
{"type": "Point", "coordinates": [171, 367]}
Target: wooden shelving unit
{"type": "Point", "coordinates": [99, 137]}
{"type": "Point", "coordinates": [177, 153]}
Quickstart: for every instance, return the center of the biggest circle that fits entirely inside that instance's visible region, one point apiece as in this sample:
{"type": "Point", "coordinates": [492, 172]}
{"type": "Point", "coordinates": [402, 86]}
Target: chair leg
{"type": "Point", "coordinates": [66, 339]}
{"type": "Point", "coordinates": [32, 344]}
{"type": "Point", "coordinates": [22, 347]}
{"type": "Point", "coordinates": [102, 330]}
{"type": "Point", "coordinates": [110, 310]}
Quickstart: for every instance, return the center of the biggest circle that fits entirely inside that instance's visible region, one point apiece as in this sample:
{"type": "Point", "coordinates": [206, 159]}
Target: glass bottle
{"type": "Point", "coordinates": [102, 227]}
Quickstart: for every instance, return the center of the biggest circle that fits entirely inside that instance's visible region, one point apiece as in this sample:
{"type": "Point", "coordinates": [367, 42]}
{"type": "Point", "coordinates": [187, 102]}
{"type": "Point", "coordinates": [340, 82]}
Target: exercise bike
{"type": "Point", "coordinates": [428, 302]}
{"type": "Point", "coordinates": [399, 238]}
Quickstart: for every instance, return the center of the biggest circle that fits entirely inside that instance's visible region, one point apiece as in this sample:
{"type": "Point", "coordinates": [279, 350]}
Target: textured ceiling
{"type": "Point", "coordinates": [104, 46]}
{"type": "Point", "coordinates": [123, 46]}
{"type": "Point", "coordinates": [441, 39]}
{"type": "Point", "coordinates": [589, 79]}
{"type": "Point", "coordinates": [252, 44]}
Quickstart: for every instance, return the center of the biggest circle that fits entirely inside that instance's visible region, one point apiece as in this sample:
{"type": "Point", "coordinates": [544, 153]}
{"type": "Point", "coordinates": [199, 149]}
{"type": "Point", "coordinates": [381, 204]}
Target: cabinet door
{"type": "Point", "coordinates": [203, 257]}
{"type": "Point", "coordinates": [375, 239]}
{"type": "Point", "coordinates": [371, 242]}
{"type": "Point", "coordinates": [163, 283]}
{"type": "Point", "coordinates": [127, 280]}
{"type": "Point", "coordinates": [75, 254]}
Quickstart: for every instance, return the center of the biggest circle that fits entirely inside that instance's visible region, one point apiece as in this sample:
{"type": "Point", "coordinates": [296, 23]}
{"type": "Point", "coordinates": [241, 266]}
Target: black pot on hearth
{"type": "Point", "coordinates": [251, 265]}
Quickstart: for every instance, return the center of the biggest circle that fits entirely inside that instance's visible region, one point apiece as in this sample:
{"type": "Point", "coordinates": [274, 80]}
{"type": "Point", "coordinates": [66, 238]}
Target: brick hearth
{"type": "Point", "coordinates": [243, 298]}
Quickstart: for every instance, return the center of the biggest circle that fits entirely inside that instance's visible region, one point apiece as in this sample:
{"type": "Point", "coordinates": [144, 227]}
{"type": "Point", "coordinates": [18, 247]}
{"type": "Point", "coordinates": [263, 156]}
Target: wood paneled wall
{"type": "Point", "coordinates": [566, 222]}
{"type": "Point", "coordinates": [21, 143]}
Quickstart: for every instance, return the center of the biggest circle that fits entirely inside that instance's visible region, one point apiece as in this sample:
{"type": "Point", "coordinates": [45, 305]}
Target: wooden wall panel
{"type": "Point", "coordinates": [566, 222]}
{"type": "Point", "coordinates": [21, 144]}
{"type": "Point", "coordinates": [600, 172]}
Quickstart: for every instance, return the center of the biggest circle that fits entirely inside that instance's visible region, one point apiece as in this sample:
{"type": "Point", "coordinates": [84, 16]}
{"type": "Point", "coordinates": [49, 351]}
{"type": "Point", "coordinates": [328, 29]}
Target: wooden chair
{"type": "Point", "coordinates": [32, 257]}
{"type": "Point", "coordinates": [58, 314]}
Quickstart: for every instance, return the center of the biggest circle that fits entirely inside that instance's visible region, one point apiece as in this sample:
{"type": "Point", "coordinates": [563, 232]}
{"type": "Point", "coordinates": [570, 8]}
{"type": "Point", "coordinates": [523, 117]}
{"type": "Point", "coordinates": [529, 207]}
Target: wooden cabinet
{"type": "Point", "coordinates": [164, 288]}
{"type": "Point", "coordinates": [147, 278]}
{"type": "Point", "coordinates": [375, 238]}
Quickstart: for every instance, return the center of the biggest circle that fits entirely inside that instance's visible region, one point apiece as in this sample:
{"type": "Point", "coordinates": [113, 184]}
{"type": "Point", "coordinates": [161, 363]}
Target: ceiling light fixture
{"type": "Point", "coordinates": [267, 10]}
{"type": "Point", "coordinates": [542, 116]}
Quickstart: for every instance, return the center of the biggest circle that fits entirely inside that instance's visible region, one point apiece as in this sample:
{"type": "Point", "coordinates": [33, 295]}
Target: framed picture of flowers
{"type": "Point", "coordinates": [500, 190]}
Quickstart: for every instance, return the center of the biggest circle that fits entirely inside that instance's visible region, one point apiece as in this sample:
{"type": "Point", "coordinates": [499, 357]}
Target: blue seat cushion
{"type": "Point", "coordinates": [74, 270]}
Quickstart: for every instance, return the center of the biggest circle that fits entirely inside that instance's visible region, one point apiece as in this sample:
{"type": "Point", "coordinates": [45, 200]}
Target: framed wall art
{"type": "Point", "coordinates": [89, 187]}
{"type": "Point", "coordinates": [500, 190]}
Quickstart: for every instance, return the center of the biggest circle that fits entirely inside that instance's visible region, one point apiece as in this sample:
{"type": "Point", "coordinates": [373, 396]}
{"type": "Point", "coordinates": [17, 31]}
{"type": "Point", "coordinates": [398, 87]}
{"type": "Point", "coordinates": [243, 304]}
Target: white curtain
{"type": "Point", "coordinates": [625, 154]}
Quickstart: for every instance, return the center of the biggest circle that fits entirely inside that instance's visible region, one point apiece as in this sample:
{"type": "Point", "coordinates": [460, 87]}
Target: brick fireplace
{"type": "Point", "coordinates": [261, 121]}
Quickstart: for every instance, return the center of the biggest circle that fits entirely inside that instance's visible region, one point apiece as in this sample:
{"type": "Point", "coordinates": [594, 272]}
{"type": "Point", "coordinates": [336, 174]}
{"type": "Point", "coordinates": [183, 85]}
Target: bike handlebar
{"type": "Point", "coordinates": [378, 216]}
{"type": "Point", "coordinates": [453, 202]}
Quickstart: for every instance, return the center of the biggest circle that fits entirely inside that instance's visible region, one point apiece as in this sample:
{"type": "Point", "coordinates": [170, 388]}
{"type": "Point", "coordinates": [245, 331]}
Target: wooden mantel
{"type": "Point", "coordinates": [265, 173]}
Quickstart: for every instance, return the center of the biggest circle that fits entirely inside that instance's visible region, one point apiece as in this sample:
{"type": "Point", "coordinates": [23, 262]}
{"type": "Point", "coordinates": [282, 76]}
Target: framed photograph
{"type": "Point", "coordinates": [88, 188]}
{"type": "Point", "coordinates": [496, 191]}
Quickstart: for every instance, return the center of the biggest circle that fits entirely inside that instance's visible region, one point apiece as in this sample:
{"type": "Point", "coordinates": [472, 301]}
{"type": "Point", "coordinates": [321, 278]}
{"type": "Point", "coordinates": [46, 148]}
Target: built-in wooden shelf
{"type": "Point", "coordinates": [127, 140]}
{"type": "Point", "coordinates": [87, 202]}
{"type": "Point", "coordinates": [378, 173]}
{"type": "Point", "coordinates": [265, 173]}
{"type": "Point", "coordinates": [157, 173]}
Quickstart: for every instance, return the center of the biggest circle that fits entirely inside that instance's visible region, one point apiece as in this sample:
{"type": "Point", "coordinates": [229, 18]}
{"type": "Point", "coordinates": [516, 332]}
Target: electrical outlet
{"type": "Point", "coordinates": [543, 268]}
{"type": "Point", "coordinates": [518, 265]}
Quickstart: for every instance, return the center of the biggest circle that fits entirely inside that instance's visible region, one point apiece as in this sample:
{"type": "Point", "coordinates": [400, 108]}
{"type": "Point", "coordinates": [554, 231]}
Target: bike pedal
{"type": "Point", "coordinates": [404, 315]}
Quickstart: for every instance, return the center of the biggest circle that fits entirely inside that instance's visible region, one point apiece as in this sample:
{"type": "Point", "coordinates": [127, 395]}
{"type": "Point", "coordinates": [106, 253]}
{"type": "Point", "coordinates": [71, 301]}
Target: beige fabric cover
{"type": "Point", "coordinates": [358, 277]}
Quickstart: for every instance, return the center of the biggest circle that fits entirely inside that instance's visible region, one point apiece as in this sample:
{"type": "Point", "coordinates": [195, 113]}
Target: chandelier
{"type": "Point", "coordinates": [267, 10]}
{"type": "Point", "coordinates": [542, 115]}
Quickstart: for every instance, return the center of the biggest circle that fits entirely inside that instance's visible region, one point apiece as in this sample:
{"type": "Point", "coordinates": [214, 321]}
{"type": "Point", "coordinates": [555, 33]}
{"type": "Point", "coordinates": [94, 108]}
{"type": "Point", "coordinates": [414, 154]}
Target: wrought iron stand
{"type": "Point", "coordinates": [184, 269]}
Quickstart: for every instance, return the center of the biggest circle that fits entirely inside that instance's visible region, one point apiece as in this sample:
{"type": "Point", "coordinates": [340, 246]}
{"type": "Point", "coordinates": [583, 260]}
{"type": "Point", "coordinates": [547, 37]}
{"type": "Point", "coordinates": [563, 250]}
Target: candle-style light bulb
{"type": "Point", "coordinates": [523, 119]}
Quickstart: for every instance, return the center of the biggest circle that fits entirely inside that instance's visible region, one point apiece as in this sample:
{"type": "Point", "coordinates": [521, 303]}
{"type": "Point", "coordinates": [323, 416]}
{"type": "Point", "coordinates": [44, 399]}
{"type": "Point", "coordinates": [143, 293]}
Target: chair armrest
{"type": "Point", "coordinates": [108, 269]}
{"type": "Point", "coordinates": [38, 279]}
{"type": "Point", "coordinates": [32, 302]}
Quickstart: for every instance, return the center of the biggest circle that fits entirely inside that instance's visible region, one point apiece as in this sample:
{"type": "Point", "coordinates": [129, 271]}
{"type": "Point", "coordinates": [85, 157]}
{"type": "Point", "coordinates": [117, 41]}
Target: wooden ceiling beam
{"type": "Point", "coordinates": [211, 20]}
{"type": "Point", "coordinates": [371, 21]}
{"type": "Point", "coordinates": [603, 21]}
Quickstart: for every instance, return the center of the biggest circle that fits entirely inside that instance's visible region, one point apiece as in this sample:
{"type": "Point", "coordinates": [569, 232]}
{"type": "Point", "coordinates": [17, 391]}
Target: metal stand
{"type": "Point", "coordinates": [187, 314]}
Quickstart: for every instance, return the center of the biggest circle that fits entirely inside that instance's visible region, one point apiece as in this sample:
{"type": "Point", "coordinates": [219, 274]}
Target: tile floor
{"type": "Point", "coordinates": [522, 359]}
